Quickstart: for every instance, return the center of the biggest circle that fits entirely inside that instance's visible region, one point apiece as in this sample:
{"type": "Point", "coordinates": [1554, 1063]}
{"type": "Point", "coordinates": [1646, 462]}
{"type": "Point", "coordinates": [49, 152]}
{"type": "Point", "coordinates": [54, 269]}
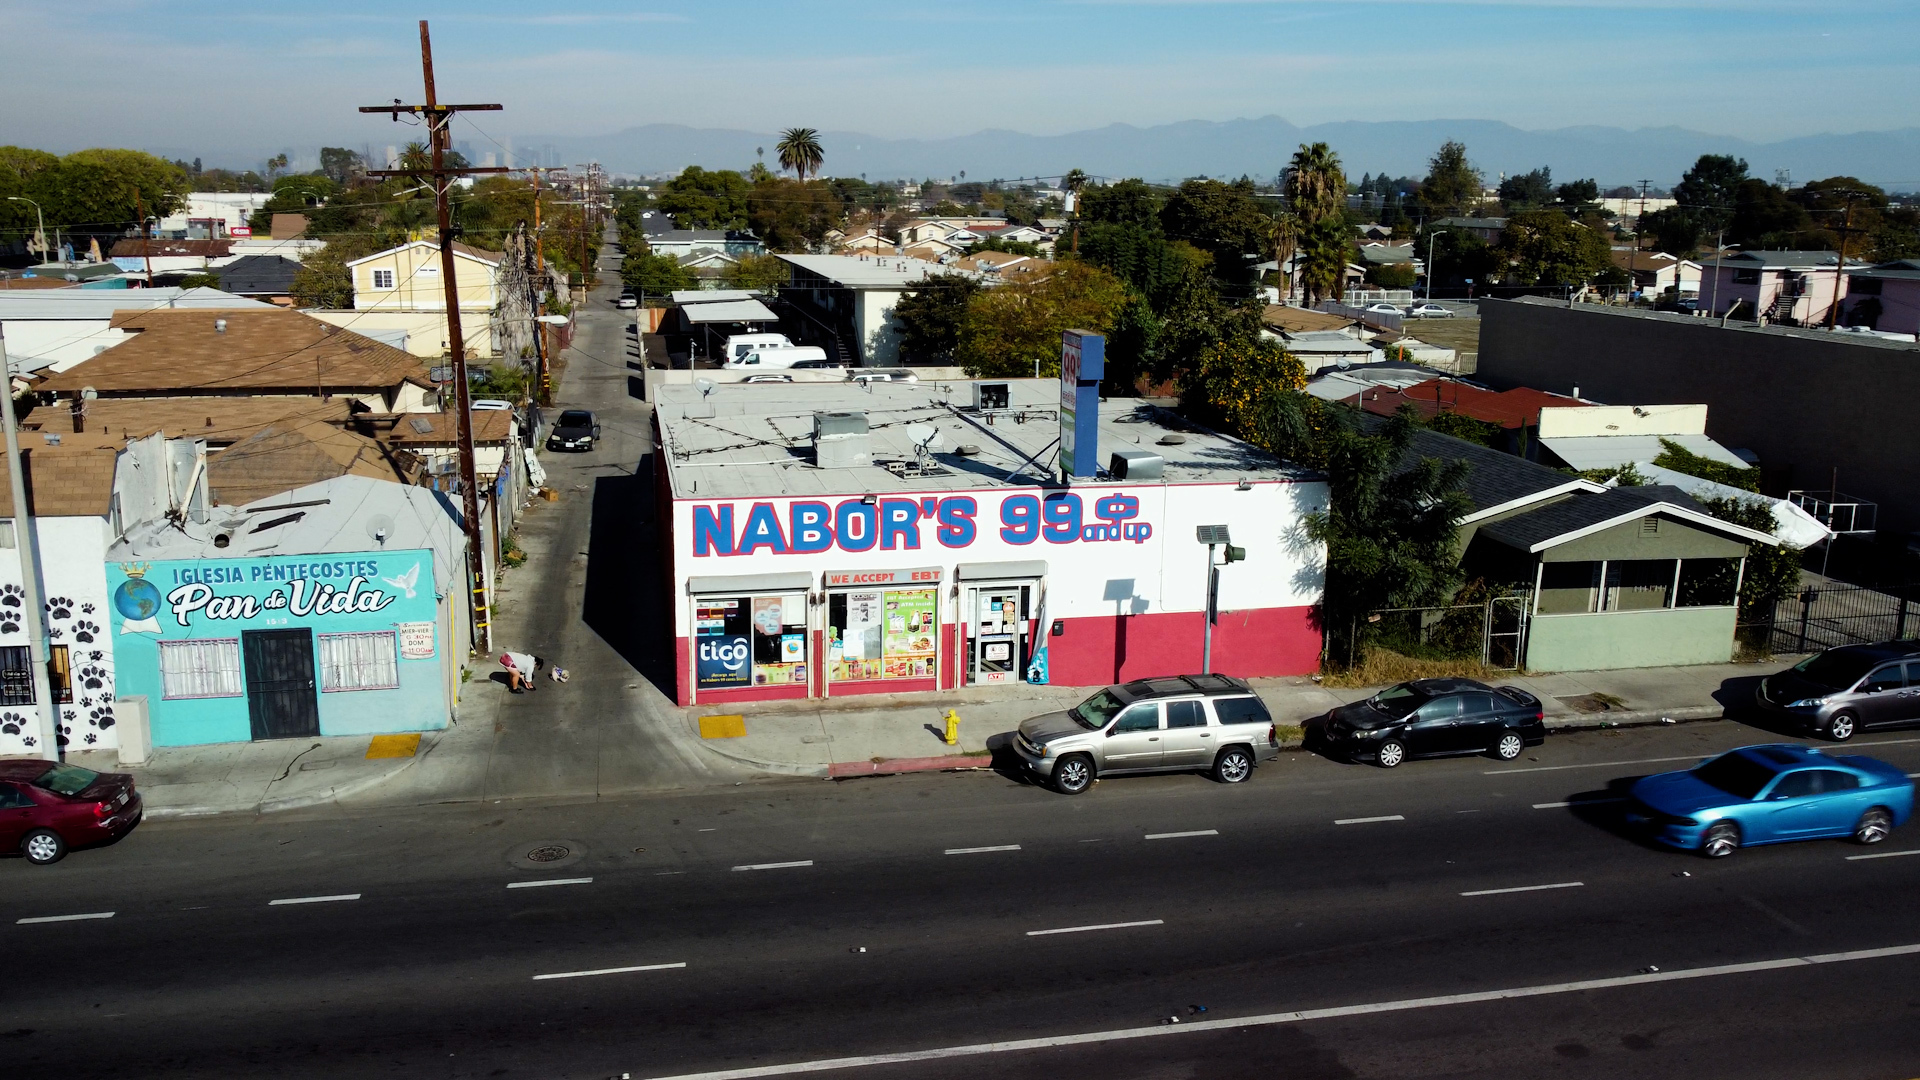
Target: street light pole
{"type": "Point", "coordinates": [39, 219]}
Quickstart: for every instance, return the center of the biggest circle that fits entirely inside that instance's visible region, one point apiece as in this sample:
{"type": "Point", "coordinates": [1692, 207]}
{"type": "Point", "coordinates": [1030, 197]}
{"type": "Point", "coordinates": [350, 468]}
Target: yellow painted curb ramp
{"type": "Point", "coordinates": [385, 746]}
{"type": "Point", "coordinates": [723, 727]}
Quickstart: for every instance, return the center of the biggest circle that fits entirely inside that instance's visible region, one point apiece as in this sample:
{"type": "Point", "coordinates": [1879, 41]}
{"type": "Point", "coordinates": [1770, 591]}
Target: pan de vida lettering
{"type": "Point", "coordinates": [301, 597]}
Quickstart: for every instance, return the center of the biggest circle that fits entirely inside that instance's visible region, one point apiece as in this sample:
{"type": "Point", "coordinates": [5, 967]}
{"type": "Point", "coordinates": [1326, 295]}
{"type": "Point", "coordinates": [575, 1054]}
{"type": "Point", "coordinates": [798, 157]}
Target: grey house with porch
{"type": "Point", "coordinates": [1614, 577]}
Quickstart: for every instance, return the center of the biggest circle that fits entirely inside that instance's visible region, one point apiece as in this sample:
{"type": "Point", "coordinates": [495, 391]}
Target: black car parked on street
{"type": "Point", "coordinates": [575, 430]}
{"type": "Point", "coordinates": [1436, 718]}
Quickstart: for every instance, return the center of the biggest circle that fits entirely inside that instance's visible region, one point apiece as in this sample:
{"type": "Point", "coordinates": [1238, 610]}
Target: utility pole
{"type": "Point", "coordinates": [438, 118]}
{"type": "Point", "coordinates": [1840, 276]}
{"type": "Point", "coordinates": [1633, 260]}
{"type": "Point", "coordinates": [35, 619]}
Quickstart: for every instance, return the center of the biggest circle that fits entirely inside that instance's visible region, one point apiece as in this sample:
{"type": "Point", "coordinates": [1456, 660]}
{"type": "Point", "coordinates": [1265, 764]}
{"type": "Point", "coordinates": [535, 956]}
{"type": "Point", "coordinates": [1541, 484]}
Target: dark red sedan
{"type": "Point", "coordinates": [48, 806]}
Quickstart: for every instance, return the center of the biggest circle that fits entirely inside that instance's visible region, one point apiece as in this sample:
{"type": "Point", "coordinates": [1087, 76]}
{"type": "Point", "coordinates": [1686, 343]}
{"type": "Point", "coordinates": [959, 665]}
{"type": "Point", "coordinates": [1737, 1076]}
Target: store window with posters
{"type": "Point", "coordinates": [883, 625]}
{"type": "Point", "coordinates": [747, 641]}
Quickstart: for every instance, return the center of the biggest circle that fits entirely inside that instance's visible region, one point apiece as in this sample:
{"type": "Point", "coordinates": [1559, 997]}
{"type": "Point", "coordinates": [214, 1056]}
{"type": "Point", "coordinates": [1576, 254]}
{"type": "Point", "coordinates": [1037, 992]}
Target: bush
{"type": "Point", "coordinates": [1391, 275]}
{"type": "Point", "coordinates": [507, 382]}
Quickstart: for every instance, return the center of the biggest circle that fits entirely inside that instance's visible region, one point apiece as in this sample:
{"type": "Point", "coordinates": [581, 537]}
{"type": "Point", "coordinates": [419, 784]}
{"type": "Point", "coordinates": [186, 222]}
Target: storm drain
{"type": "Point", "coordinates": [547, 853]}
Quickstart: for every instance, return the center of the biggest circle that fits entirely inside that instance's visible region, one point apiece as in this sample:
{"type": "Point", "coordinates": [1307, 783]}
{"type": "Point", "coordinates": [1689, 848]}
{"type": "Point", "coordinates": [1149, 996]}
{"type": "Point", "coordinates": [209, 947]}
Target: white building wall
{"type": "Point", "coordinates": [72, 551]}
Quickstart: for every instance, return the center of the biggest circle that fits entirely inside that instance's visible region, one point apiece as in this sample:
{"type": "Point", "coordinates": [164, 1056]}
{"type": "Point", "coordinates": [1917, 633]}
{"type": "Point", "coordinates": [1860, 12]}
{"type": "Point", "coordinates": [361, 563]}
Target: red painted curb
{"type": "Point", "coordinates": [902, 765]}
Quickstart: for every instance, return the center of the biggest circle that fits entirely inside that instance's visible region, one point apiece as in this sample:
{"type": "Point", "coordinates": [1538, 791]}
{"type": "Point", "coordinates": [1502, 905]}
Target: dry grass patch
{"type": "Point", "coordinates": [1384, 667]}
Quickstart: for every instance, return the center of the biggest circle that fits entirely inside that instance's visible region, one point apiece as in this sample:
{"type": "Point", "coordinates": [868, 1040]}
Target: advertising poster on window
{"type": "Point", "coordinates": [910, 634]}
{"type": "Point", "coordinates": [779, 639]}
{"type": "Point", "coordinates": [723, 657]}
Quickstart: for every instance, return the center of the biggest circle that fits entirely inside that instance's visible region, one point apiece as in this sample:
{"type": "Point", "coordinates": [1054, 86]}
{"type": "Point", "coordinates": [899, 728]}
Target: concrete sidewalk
{"type": "Point", "coordinates": [261, 777]}
{"type": "Point", "coordinates": [890, 733]}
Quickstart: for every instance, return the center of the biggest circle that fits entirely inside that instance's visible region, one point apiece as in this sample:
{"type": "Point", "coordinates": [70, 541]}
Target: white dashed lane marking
{"type": "Point", "coordinates": [774, 865]}
{"type": "Point", "coordinates": [314, 899]}
{"type": "Point", "coordinates": [549, 881]}
{"type": "Point", "coordinates": [1368, 820]}
{"type": "Point", "coordinates": [1177, 835]}
{"type": "Point", "coordinates": [1096, 926]}
{"type": "Point", "coordinates": [1526, 888]}
{"type": "Point", "coordinates": [982, 850]}
{"type": "Point", "coordinates": [607, 971]}
{"type": "Point", "coordinates": [64, 918]}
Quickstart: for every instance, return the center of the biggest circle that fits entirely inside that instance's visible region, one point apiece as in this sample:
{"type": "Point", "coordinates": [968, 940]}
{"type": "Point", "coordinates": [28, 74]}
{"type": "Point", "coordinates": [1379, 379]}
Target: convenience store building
{"type": "Point", "coordinates": [828, 539]}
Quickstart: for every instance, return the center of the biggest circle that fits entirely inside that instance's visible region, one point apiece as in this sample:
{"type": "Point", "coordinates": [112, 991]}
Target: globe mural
{"type": "Point", "coordinates": [137, 599]}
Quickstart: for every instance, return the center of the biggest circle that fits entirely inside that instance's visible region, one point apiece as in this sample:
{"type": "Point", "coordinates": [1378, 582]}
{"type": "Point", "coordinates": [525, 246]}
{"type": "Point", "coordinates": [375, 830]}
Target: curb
{"type": "Point", "coordinates": [294, 802]}
{"type": "Point", "coordinates": [1635, 718]}
{"type": "Point", "coordinates": [840, 770]}
{"type": "Point", "coordinates": [783, 768]}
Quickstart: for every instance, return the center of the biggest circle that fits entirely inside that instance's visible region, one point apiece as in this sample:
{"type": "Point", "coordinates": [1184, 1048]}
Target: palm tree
{"type": "Point", "coordinates": [1315, 186]}
{"type": "Point", "coordinates": [1283, 239]}
{"type": "Point", "coordinates": [1073, 182]}
{"type": "Point", "coordinates": [415, 158]}
{"type": "Point", "coordinates": [799, 150]}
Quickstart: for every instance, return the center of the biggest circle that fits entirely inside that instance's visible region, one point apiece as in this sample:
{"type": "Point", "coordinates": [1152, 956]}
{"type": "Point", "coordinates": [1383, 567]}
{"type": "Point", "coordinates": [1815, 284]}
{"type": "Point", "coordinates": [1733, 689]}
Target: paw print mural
{"type": "Point", "coordinates": [85, 630]}
{"type": "Point", "coordinates": [60, 607]}
{"type": "Point", "coordinates": [101, 718]}
{"type": "Point", "coordinates": [12, 723]}
{"type": "Point", "coordinates": [86, 609]}
{"type": "Point", "coordinates": [95, 655]}
{"type": "Point", "coordinates": [92, 738]}
{"type": "Point", "coordinates": [93, 678]}
{"type": "Point", "coordinates": [12, 596]}
{"type": "Point", "coordinates": [9, 624]}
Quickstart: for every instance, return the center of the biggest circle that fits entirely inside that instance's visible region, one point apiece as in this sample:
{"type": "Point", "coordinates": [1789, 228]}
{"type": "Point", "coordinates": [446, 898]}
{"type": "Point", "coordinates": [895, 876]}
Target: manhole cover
{"type": "Point", "coordinates": [548, 853]}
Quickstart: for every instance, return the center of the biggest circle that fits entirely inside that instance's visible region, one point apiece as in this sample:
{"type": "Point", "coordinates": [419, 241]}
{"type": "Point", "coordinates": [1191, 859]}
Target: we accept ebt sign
{"type": "Point", "coordinates": [277, 590]}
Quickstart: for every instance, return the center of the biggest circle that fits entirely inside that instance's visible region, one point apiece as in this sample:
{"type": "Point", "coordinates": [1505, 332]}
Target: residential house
{"type": "Point", "coordinates": [1514, 415]}
{"type": "Point", "coordinates": [683, 242]}
{"type": "Point", "coordinates": [848, 302]}
{"type": "Point", "coordinates": [1793, 288]}
{"type": "Point", "coordinates": [1019, 234]}
{"type": "Point", "coordinates": [1884, 297]}
{"type": "Point", "coordinates": [1489, 229]}
{"type": "Point", "coordinates": [1655, 273]}
{"type": "Point", "coordinates": [258, 352]}
{"type": "Point", "coordinates": [430, 439]}
{"type": "Point", "coordinates": [135, 256]}
{"type": "Point", "coordinates": [260, 277]}
{"type": "Point", "coordinates": [52, 331]}
{"type": "Point", "coordinates": [1005, 266]}
{"type": "Point", "coordinates": [1321, 340]}
{"type": "Point", "coordinates": [407, 278]}
{"type": "Point", "coordinates": [282, 456]}
{"type": "Point", "coordinates": [869, 241]}
{"type": "Point", "coordinates": [216, 421]}
{"type": "Point", "coordinates": [70, 491]}
{"type": "Point", "coordinates": [921, 229]}
{"type": "Point", "coordinates": [213, 215]}
{"type": "Point", "coordinates": [1612, 577]}
{"type": "Point", "coordinates": [1349, 383]}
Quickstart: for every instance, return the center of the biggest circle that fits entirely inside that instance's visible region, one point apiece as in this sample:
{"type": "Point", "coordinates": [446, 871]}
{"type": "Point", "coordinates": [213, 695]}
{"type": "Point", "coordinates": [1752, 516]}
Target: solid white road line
{"type": "Point", "coordinates": [980, 850]}
{"type": "Point", "coordinates": [1525, 888]}
{"type": "Point", "coordinates": [1096, 926]}
{"type": "Point", "coordinates": [1573, 802]}
{"type": "Point", "coordinates": [1175, 835]}
{"type": "Point", "coordinates": [607, 971]}
{"type": "Point", "coordinates": [1301, 1016]}
{"type": "Point", "coordinates": [64, 918]}
{"type": "Point", "coordinates": [1850, 858]}
{"type": "Point", "coordinates": [314, 899]}
{"type": "Point", "coordinates": [774, 865]}
{"type": "Point", "coordinates": [549, 881]}
{"type": "Point", "coordinates": [1368, 820]}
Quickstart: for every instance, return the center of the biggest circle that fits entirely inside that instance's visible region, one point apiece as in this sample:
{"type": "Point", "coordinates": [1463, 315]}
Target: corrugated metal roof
{"type": "Point", "coordinates": [1606, 451]}
{"type": "Point", "coordinates": [753, 441]}
{"type": "Point", "coordinates": [729, 311]}
{"type": "Point", "coordinates": [102, 303]}
{"type": "Point", "coordinates": [711, 296]}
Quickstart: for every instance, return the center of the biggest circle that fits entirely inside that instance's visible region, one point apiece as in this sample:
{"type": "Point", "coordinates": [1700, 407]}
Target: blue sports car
{"type": "Point", "coordinates": [1769, 795]}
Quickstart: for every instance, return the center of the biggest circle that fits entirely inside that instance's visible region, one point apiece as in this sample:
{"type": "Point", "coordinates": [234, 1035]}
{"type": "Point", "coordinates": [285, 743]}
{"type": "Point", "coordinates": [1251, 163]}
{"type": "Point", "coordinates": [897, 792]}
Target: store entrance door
{"type": "Point", "coordinates": [280, 699]}
{"type": "Point", "coordinates": [998, 617]}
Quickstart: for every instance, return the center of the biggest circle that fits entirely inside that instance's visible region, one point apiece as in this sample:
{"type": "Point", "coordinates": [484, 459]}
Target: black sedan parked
{"type": "Point", "coordinates": [1436, 718]}
{"type": "Point", "coordinates": [575, 430]}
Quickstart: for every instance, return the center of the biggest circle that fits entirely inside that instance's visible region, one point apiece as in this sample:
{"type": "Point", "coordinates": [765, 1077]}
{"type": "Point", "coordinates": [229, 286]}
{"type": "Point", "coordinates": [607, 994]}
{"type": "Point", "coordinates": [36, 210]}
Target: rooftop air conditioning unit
{"type": "Point", "coordinates": [991, 396]}
{"type": "Point", "coordinates": [840, 440]}
{"type": "Point", "coordinates": [1136, 465]}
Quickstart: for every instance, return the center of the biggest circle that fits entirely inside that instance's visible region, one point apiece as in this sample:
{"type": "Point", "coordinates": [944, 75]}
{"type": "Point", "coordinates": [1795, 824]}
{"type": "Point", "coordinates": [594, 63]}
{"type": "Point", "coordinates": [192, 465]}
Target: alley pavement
{"type": "Point", "coordinates": [1460, 917]}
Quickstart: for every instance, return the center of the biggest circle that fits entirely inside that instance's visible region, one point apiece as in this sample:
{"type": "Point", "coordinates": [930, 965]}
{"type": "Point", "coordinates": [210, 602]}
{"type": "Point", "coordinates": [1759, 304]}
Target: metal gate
{"type": "Point", "coordinates": [1825, 614]}
{"type": "Point", "coordinates": [1493, 631]}
{"type": "Point", "coordinates": [280, 699]}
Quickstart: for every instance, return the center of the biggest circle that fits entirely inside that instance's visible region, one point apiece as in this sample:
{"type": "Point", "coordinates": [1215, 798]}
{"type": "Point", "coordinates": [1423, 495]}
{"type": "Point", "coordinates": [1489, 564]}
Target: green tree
{"type": "Point", "coordinates": [655, 275]}
{"type": "Point", "coordinates": [1235, 385]}
{"type": "Point", "coordinates": [759, 273]}
{"type": "Point", "coordinates": [1009, 327]}
{"type": "Point", "coordinates": [799, 150]}
{"type": "Point", "coordinates": [930, 317]}
{"type": "Point", "coordinates": [1578, 197]}
{"type": "Point", "coordinates": [292, 195]}
{"type": "Point", "coordinates": [1542, 247]}
{"type": "Point", "coordinates": [93, 194]}
{"type": "Point", "coordinates": [699, 199]}
{"type": "Point", "coordinates": [1453, 185]}
{"type": "Point", "coordinates": [792, 216]}
{"type": "Point", "coordinates": [1704, 200]}
{"type": "Point", "coordinates": [1221, 219]}
{"type": "Point", "coordinates": [1772, 572]}
{"type": "Point", "coordinates": [1148, 262]}
{"type": "Point", "coordinates": [1764, 217]}
{"type": "Point", "coordinates": [339, 164]}
{"type": "Point", "coordinates": [416, 157]}
{"type": "Point", "coordinates": [1528, 190]}
{"type": "Point", "coordinates": [1316, 191]}
{"type": "Point", "coordinates": [1680, 459]}
{"type": "Point", "coordinates": [1009, 247]}
{"type": "Point", "coordinates": [1391, 275]}
{"type": "Point", "coordinates": [1128, 202]}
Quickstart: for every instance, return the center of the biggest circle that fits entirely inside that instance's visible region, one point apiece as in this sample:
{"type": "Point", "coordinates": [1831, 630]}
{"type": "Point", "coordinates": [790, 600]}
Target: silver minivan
{"type": "Point", "coordinates": [1846, 690]}
{"type": "Point", "coordinates": [1189, 722]}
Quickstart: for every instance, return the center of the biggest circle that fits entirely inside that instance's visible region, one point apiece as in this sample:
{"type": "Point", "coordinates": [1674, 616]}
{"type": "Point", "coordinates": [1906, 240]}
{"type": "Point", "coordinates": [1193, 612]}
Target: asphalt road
{"type": "Point", "coordinates": [784, 922]}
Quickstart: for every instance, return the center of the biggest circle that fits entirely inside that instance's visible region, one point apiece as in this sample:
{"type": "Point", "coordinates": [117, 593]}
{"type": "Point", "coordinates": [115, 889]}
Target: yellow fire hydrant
{"type": "Point", "coordinates": [953, 728]}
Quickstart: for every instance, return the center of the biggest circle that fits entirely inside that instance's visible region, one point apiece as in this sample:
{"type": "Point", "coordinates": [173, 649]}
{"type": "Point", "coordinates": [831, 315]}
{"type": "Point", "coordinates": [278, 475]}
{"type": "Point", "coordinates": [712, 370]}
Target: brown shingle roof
{"type": "Point", "coordinates": [1300, 320]}
{"type": "Point", "coordinates": [218, 420]}
{"type": "Point", "coordinates": [281, 457]}
{"type": "Point", "coordinates": [490, 426]}
{"type": "Point", "coordinates": [288, 226]}
{"type": "Point", "coordinates": [176, 352]}
{"type": "Point", "coordinates": [64, 482]}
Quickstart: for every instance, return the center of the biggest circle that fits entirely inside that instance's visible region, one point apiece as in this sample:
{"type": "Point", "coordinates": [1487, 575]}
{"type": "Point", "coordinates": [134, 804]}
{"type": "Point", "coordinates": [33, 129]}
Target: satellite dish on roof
{"type": "Point", "coordinates": [705, 386]}
{"type": "Point", "coordinates": [924, 436]}
{"type": "Point", "coordinates": [379, 527]}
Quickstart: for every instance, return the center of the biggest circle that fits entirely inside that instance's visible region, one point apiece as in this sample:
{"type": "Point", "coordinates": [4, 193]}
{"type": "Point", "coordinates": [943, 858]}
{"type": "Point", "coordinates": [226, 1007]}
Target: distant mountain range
{"type": "Point", "coordinates": [1259, 148]}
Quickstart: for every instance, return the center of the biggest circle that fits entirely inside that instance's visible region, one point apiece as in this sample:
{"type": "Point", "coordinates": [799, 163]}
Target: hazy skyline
{"type": "Point", "coordinates": [204, 79]}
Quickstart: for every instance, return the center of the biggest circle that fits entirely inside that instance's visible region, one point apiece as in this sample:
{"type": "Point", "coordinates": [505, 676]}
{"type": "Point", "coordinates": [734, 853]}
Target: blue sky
{"type": "Point", "coordinates": [231, 79]}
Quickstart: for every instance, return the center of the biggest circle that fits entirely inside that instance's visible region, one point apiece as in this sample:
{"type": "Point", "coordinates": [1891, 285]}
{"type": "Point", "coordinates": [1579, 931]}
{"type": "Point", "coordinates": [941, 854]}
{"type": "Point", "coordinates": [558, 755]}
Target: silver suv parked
{"type": "Point", "coordinates": [1212, 722]}
{"type": "Point", "coordinates": [1848, 689]}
